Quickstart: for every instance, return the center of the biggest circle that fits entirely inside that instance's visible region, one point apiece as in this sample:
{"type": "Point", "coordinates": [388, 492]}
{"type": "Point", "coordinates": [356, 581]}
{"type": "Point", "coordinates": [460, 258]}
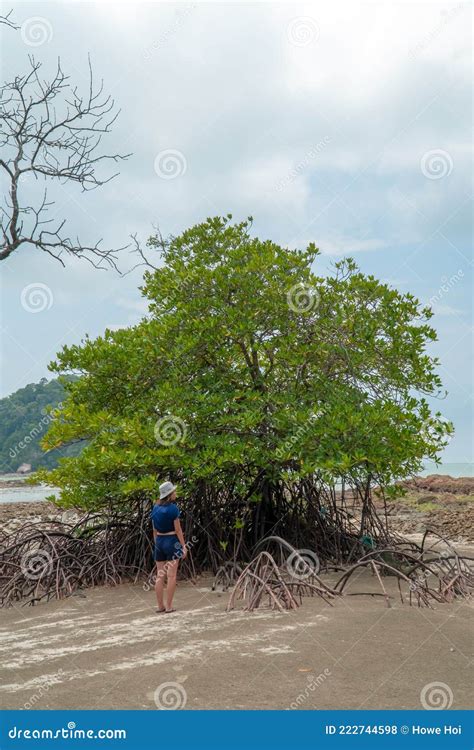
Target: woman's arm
{"type": "Point", "coordinates": [180, 535]}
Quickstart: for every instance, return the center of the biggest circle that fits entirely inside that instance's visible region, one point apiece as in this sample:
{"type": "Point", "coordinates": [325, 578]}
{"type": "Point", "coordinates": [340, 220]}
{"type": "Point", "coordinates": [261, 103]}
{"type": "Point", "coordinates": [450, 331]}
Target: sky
{"type": "Point", "coordinates": [346, 124]}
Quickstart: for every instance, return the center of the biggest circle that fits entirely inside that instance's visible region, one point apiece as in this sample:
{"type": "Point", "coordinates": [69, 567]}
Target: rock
{"type": "Point", "coordinates": [426, 499]}
{"type": "Point", "coordinates": [24, 469]}
{"type": "Point", "coordinates": [442, 483]}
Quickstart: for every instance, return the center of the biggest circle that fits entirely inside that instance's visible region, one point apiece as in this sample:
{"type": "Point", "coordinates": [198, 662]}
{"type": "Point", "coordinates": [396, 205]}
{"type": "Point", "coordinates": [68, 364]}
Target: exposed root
{"type": "Point", "coordinates": [259, 581]}
{"type": "Point", "coordinates": [227, 575]}
{"type": "Point", "coordinates": [262, 581]}
{"type": "Point", "coordinates": [39, 564]}
{"type": "Point", "coordinates": [438, 579]}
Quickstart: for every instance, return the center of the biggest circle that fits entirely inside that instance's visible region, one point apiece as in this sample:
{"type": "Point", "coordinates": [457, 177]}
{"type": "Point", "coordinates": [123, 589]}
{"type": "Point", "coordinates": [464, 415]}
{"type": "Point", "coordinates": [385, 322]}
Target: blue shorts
{"type": "Point", "coordinates": [167, 548]}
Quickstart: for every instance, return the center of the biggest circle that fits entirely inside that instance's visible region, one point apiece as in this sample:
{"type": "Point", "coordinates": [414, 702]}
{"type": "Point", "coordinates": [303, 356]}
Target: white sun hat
{"type": "Point", "coordinates": [166, 489]}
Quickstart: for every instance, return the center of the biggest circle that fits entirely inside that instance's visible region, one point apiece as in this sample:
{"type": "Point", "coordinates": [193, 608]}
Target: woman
{"type": "Point", "coordinates": [170, 546]}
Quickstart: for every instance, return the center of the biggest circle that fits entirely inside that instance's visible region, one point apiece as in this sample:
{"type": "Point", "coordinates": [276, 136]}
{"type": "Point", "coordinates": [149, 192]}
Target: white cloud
{"type": "Point", "coordinates": [138, 305]}
{"type": "Point", "coordinates": [349, 245]}
{"type": "Point", "coordinates": [446, 310]}
{"type": "Point", "coordinates": [380, 84]}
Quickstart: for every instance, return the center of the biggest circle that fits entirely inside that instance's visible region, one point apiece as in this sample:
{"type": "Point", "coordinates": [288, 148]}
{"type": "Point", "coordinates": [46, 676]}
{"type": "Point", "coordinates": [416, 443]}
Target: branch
{"type": "Point", "coordinates": [50, 131]}
{"type": "Point", "coordinates": [5, 20]}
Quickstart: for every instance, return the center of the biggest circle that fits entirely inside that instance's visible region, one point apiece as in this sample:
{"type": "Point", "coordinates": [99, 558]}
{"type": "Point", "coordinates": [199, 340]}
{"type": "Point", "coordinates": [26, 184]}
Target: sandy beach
{"type": "Point", "coordinates": [108, 649]}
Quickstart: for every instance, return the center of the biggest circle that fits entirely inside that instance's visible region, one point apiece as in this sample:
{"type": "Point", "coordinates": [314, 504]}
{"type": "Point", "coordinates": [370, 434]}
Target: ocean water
{"type": "Point", "coordinates": [22, 494]}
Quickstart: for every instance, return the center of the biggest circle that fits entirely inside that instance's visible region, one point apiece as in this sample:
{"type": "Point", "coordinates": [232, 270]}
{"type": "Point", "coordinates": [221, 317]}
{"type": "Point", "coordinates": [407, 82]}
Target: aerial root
{"type": "Point", "coordinates": [38, 563]}
{"type": "Point", "coordinates": [440, 579]}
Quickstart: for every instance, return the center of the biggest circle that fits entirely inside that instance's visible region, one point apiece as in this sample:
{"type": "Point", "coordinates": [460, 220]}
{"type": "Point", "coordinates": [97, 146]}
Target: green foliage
{"type": "Point", "coordinates": [24, 420]}
{"type": "Point", "coordinates": [235, 376]}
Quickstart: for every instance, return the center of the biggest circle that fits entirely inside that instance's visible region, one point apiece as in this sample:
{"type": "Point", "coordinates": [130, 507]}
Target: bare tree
{"type": "Point", "coordinates": [50, 132]}
{"type": "Point", "coordinates": [6, 21]}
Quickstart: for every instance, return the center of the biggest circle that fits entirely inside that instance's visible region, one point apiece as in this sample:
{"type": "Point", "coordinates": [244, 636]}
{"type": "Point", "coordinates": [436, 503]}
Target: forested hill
{"type": "Point", "coordinates": [24, 420]}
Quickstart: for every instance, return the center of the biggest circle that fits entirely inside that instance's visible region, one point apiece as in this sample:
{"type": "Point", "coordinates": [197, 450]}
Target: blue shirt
{"type": "Point", "coordinates": [163, 517]}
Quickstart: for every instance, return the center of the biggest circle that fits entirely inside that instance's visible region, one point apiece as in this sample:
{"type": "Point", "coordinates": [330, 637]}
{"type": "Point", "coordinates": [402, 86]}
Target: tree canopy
{"type": "Point", "coordinates": [250, 371]}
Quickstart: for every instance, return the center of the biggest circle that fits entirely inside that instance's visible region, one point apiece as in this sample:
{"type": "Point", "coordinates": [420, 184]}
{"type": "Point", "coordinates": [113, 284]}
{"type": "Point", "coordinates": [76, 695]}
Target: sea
{"type": "Point", "coordinates": [26, 493]}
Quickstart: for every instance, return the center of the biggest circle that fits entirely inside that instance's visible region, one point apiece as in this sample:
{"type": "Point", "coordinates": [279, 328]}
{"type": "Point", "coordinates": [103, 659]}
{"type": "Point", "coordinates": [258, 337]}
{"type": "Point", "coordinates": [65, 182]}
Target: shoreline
{"type": "Point", "coordinates": [15, 514]}
{"type": "Point", "coordinates": [441, 504]}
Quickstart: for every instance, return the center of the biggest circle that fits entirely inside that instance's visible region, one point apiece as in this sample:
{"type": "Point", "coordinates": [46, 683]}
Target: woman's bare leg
{"type": "Point", "coordinates": [160, 583]}
{"type": "Point", "coordinates": [171, 571]}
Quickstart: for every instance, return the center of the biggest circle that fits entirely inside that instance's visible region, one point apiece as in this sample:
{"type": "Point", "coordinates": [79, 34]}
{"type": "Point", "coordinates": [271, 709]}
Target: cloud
{"type": "Point", "coordinates": [349, 245]}
{"type": "Point", "coordinates": [247, 93]}
{"type": "Point", "coordinates": [446, 310]}
{"type": "Point", "coordinates": [139, 305]}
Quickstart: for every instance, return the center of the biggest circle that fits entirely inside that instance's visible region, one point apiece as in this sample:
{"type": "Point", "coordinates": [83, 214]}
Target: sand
{"type": "Point", "coordinates": [108, 649]}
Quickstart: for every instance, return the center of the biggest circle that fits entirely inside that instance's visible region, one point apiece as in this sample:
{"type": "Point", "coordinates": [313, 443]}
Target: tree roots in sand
{"type": "Point", "coordinates": [262, 581]}
{"type": "Point", "coordinates": [423, 577]}
{"type": "Point", "coordinates": [51, 561]}
{"type": "Point", "coordinates": [42, 561]}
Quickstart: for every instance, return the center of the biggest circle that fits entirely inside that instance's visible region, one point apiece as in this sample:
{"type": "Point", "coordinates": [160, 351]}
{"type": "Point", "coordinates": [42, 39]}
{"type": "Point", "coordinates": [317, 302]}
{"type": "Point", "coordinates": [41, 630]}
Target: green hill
{"type": "Point", "coordinates": [24, 420]}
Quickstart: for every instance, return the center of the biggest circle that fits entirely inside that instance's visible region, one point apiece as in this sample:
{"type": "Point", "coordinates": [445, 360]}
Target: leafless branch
{"type": "Point", "coordinates": [158, 243]}
{"type": "Point", "coordinates": [6, 21]}
{"type": "Point", "coordinates": [50, 131]}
